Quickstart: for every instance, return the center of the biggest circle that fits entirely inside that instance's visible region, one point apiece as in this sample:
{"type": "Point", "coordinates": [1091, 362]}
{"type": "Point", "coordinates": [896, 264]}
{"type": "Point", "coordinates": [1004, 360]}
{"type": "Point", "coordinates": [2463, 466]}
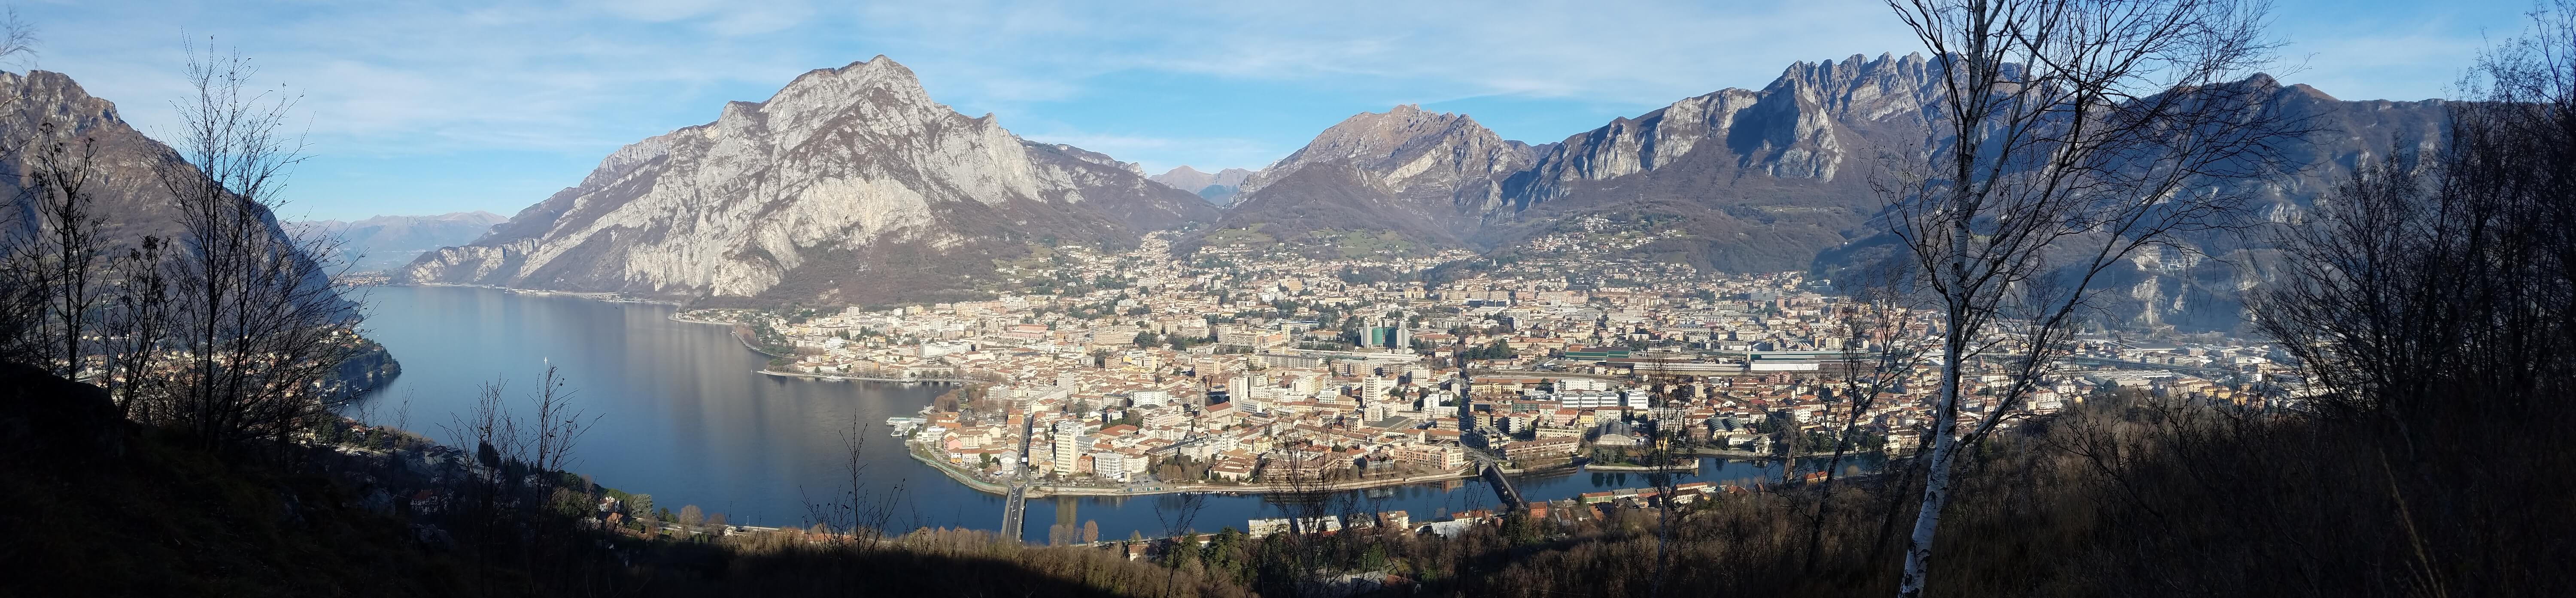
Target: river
{"type": "Point", "coordinates": [684, 416]}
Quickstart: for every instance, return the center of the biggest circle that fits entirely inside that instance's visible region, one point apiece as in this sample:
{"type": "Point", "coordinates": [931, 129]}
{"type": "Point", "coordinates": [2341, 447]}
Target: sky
{"type": "Point", "coordinates": [432, 107]}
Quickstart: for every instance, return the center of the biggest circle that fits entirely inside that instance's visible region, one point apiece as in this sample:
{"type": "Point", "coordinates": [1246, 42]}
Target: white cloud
{"type": "Point", "coordinates": [438, 78]}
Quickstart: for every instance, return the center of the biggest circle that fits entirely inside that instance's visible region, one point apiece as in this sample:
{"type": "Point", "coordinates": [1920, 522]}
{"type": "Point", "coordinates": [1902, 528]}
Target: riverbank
{"type": "Point", "coordinates": [1692, 467]}
{"type": "Point", "coordinates": [1754, 455]}
{"type": "Point", "coordinates": [603, 297]}
{"type": "Point", "coordinates": [1042, 491]}
{"type": "Point", "coordinates": [675, 317]}
{"type": "Point", "coordinates": [848, 377]}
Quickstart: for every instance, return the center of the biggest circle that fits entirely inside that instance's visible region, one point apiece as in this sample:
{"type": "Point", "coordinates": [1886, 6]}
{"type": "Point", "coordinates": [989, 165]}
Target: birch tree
{"type": "Point", "coordinates": [2079, 133]}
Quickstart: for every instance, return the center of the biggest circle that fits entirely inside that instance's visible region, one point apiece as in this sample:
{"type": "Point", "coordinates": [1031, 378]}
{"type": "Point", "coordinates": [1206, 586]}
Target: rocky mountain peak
{"type": "Point", "coordinates": [843, 178]}
{"type": "Point", "coordinates": [1408, 149]}
{"type": "Point", "coordinates": [57, 97]}
{"type": "Point", "coordinates": [1859, 87]}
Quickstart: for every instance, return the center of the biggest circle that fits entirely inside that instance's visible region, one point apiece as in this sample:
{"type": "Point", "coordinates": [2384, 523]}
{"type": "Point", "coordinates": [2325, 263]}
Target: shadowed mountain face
{"type": "Point", "coordinates": [1765, 180]}
{"type": "Point", "coordinates": [125, 182]}
{"type": "Point", "coordinates": [848, 186]}
{"type": "Point", "coordinates": [385, 242]}
{"type": "Point", "coordinates": [1761, 180]}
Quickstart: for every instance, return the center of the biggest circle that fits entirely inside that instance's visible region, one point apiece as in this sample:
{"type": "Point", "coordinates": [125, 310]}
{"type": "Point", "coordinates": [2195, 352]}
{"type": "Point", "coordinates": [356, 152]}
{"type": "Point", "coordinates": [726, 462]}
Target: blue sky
{"type": "Point", "coordinates": [430, 107]}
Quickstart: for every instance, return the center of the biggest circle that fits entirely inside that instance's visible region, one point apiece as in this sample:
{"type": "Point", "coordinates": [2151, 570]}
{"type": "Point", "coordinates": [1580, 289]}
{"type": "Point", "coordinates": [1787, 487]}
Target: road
{"type": "Point", "coordinates": [1015, 506]}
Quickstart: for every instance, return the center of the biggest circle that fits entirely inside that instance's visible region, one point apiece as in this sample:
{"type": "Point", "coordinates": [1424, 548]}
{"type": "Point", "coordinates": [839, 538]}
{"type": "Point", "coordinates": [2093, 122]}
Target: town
{"type": "Point", "coordinates": [1252, 370]}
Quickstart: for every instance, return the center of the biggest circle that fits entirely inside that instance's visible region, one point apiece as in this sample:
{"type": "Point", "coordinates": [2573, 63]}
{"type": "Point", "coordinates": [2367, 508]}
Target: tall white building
{"type": "Point", "coordinates": [1069, 443]}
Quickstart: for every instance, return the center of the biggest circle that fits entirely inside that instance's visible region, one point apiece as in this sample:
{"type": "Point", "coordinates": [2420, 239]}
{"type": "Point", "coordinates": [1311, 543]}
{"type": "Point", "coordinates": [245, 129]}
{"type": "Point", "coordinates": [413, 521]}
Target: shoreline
{"type": "Point", "coordinates": [1043, 491]}
{"type": "Point", "coordinates": [603, 297]}
{"type": "Point", "coordinates": [1693, 467]}
{"type": "Point", "coordinates": [1729, 454]}
{"type": "Point", "coordinates": [850, 378]}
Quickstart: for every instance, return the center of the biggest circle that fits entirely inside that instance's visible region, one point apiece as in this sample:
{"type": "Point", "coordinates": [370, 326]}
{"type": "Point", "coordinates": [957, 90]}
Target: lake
{"type": "Point", "coordinates": [684, 415]}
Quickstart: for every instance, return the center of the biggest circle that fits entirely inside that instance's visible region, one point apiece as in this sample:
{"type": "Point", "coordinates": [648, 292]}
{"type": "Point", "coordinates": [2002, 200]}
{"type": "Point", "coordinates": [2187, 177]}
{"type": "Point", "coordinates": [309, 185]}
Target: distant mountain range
{"type": "Point", "coordinates": [1767, 180]}
{"type": "Point", "coordinates": [851, 186]}
{"type": "Point", "coordinates": [1218, 189]}
{"type": "Point", "coordinates": [384, 242]}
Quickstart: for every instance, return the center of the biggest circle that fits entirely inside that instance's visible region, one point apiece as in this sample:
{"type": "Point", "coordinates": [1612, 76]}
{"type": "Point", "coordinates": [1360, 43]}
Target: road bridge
{"type": "Point", "coordinates": [1492, 470]}
{"type": "Point", "coordinates": [1015, 505]}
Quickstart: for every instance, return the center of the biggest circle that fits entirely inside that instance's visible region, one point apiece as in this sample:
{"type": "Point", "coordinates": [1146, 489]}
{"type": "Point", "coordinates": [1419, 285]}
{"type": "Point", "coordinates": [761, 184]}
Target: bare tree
{"type": "Point", "coordinates": [60, 184]}
{"type": "Point", "coordinates": [1179, 511]}
{"type": "Point", "coordinates": [855, 514]}
{"type": "Point", "coordinates": [560, 424]}
{"type": "Point", "coordinates": [260, 320]}
{"type": "Point", "coordinates": [1878, 314]}
{"type": "Point", "coordinates": [2080, 131]}
{"type": "Point", "coordinates": [2430, 304]}
{"type": "Point", "coordinates": [137, 324]}
{"type": "Point", "coordinates": [25, 283]}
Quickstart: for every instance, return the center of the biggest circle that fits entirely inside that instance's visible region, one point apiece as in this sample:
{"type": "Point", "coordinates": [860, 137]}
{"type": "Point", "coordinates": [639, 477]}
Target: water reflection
{"type": "Point", "coordinates": [685, 417]}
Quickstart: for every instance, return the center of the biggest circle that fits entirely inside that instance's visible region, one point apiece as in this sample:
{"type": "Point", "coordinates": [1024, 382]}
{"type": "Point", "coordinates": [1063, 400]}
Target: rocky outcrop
{"type": "Point", "coordinates": [849, 185]}
{"type": "Point", "coordinates": [1810, 124]}
{"type": "Point", "coordinates": [368, 368]}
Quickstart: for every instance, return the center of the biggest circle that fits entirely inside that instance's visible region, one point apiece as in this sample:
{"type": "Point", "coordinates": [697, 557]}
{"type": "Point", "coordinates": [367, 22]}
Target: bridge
{"type": "Point", "coordinates": [1015, 505]}
{"type": "Point", "coordinates": [1492, 470]}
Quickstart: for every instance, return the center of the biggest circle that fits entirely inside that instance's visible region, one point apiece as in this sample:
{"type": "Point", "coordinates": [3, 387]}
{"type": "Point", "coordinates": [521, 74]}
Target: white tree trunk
{"type": "Point", "coordinates": [1962, 306]}
{"type": "Point", "coordinates": [1936, 479]}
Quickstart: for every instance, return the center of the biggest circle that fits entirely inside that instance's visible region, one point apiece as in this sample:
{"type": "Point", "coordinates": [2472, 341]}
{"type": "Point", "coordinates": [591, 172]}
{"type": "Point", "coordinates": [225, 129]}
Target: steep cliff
{"type": "Point", "coordinates": [848, 185]}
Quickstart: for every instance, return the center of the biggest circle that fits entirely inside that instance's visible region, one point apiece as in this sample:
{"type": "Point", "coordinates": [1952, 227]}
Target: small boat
{"type": "Point", "coordinates": [832, 378]}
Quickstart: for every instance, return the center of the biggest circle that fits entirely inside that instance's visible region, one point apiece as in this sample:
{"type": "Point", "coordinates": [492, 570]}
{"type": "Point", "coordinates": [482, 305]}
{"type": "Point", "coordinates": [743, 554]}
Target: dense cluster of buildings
{"type": "Point", "coordinates": [1287, 370]}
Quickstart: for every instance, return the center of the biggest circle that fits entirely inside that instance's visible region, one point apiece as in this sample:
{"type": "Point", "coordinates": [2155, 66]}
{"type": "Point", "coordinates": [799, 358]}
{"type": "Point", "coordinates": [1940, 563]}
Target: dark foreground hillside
{"type": "Point", "coordinates": [2125, 496]}
{"type": "Point", "coordinates": [97, 506]}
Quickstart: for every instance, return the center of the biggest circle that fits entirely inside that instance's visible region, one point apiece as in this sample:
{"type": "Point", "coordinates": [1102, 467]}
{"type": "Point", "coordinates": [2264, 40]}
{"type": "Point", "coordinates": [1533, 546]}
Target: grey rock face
{"type": "Point", "coordinates": [1811, 123]}
{"type": "Point", "coordinates": [822, 188]}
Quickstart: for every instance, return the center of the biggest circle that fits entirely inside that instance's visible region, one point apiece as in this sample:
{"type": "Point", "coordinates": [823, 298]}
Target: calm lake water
{"type": "Point", "coordinates": [683, 416]}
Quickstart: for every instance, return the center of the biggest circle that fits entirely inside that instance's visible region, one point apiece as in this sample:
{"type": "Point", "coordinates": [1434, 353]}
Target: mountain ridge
{"type": "Point", "coordinates": [1755, 180]}
{"type": "Point", "coordinates": [380, 242]}
{"type": "Point", "coordinates": [1767, 179]}
{"type": "Point", "coordinates": [847, 185]}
